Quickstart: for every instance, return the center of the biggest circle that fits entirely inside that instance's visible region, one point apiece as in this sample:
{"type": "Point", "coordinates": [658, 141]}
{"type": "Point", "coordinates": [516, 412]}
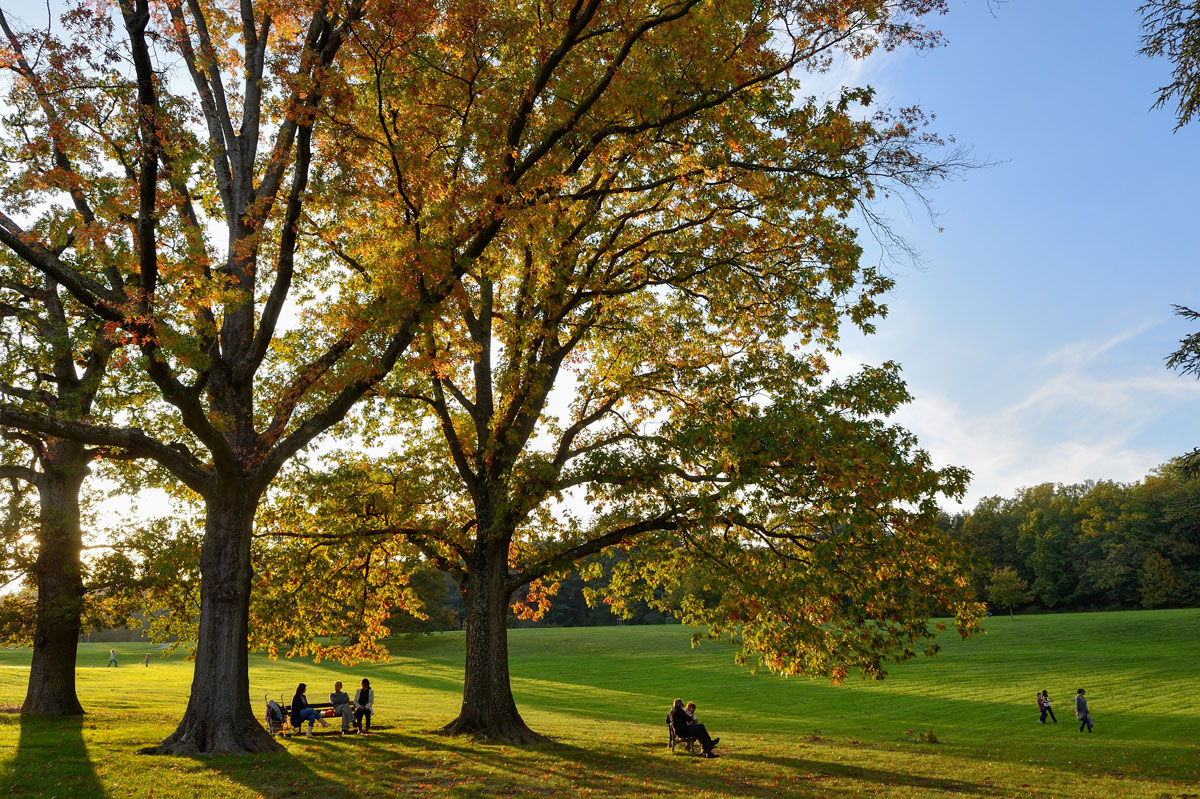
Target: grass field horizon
{"type": "Point", "coordinates": [601, 694]}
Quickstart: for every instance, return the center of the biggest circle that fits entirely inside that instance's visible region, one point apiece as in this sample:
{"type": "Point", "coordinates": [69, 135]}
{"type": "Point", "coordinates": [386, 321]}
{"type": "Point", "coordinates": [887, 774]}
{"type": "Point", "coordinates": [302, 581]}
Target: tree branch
{"type": "Point", "coordinates": [568, 557]}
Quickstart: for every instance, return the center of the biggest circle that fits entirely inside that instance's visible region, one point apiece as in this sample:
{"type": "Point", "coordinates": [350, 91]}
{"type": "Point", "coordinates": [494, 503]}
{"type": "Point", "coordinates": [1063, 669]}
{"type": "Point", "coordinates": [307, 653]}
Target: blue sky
{"type": "Point", "coordinates": [1034, 334]}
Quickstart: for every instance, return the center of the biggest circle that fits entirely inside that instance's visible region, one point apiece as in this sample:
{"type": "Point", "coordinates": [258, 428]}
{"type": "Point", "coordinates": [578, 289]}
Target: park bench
{"type": "Point", "coordinates": [673, 739]}
{"type": "Point", "coordinates": [283, 726]}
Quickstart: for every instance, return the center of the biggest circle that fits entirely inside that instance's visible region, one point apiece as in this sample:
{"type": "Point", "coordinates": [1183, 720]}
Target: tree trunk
{"type": "Point", "coordinates": [219, 718]}
{"type": "Point", "coordinates": [59, 578]}
{"type": "Point", "coordinates": [488, 707]}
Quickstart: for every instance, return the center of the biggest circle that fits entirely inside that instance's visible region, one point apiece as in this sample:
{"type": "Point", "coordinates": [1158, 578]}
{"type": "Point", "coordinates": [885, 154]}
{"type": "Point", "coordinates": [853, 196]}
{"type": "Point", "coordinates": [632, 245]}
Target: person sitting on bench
{"type": "Point", "coordinates": [341, 706]}
{"type": "Point", "coordinates": [301, 712]}
{"type": "Point", "coordinates": [364, 703]}
{"type": "Point", "coordinates": [684, 728]}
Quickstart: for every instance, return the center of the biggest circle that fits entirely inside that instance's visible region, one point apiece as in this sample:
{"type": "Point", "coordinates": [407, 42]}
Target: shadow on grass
{"type": "Point", "coordinates": [51, 759]}
{"type": "Point", "coordinates": [286, 774]}
{"type": "Point", "coordinates": [560, 769]}
{"type": "Point", "coordinates": [452, 685]}
{"type": "Point", "coordinates": [822, 770]}
{"type": "Point", "coordinates": [744, 776]}
{"type": "Point", "coordinates": [736, 775]}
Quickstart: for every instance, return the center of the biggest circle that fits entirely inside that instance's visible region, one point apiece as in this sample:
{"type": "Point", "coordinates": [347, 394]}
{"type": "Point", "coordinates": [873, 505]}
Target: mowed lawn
{"type": "Point", "coordinates": [602, 694]}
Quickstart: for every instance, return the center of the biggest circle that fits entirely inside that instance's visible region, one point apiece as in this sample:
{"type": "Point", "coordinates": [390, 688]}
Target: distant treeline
{"type": "Point", "coordinates": [1090, 546]}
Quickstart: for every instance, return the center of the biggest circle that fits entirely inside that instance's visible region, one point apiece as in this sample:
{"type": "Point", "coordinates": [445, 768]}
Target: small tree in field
{"type": "Point", "coordinates": [1007, 589]}
{"type": "Point", "coordinates": [54, 360]}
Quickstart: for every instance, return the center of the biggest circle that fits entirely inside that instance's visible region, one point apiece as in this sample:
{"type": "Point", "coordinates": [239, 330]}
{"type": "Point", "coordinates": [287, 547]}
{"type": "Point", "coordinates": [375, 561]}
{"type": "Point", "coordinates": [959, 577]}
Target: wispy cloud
{"type": "Point", "coordinates": [1082, 352]}
{"type": "Point", "coordinates": [1070, 420]}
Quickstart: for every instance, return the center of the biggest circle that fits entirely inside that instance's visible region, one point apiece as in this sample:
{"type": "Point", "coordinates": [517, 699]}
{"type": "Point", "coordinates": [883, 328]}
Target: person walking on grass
{"type": "Point", "coordinates": [146, 662]}
{"type": "Point", "coordinates": [1081, 711]}
{"type": "Point", "coordinates": [112, 658]}
{"type": "Point", "coordinates": [1044, 706]}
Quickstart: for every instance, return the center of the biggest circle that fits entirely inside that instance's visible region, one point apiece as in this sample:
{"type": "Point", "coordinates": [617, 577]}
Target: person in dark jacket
{"type": "Point", "coordinates": [684, 728]}
{"type": "Point", "coordinates": [301, 712]}
{"type": "Point", "coordinates": [364, 706]}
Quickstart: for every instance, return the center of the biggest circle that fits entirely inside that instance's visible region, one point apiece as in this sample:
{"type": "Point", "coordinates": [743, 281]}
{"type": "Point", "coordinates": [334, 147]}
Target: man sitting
{"type": "Point", "coordinates": [685, 728]}
{"type": "Point", "coordinates": [341, 706]}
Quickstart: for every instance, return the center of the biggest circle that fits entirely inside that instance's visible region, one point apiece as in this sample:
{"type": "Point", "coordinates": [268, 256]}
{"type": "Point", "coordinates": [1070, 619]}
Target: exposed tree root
{"type": "Point", "coordinates": [194, 739]}
{"type": "Point", "coordinates": [509, 731]}
{"type": "Point", "coordinates": [65, 707]}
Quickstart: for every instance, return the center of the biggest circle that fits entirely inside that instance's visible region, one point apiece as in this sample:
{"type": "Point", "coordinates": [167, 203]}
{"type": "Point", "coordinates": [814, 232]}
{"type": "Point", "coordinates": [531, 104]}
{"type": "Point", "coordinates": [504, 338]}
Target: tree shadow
{"type": "Point", "coordinates": [600, 770]}
{"type": "Point", "coordinates": [283, 773]}
{"type": "Point", "coordinates": [428, 683]}
{"type": "Point", "coordinates": [821, 769]}
{"type": "Point", "coordinates": [333, 763]}
{"type": "Point", "coordinates": [958, 721]}
{"type": "Point", "coordinates": [51, 759]}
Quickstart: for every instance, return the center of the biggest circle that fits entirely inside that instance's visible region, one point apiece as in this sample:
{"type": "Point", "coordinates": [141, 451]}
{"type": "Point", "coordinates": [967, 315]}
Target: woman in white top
{"type": "Point", "coordinates": [364, 702]}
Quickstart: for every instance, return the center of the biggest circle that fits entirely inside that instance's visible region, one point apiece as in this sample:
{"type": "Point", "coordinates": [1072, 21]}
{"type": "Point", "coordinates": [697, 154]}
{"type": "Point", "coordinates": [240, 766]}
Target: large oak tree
{"type": "Point", "coordinates": [52, 366]}
{"type": "Point", "coordinates": [628, 189]}
{"type": "Point", "coordinates": [681, 223]}
{"type": "Point", "coordinates": [53, 360]}
{"type": "Point", "coordinates": [182, 134]}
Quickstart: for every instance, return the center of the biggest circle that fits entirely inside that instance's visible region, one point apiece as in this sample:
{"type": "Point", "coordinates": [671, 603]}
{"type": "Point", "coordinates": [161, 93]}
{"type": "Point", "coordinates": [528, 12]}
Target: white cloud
{"type": "Point", "coordinates": [1010, 448]}
{"type": "Point", "coordinates": [1065, 418]}
{"type": "Point", "coordinates": [1082, 352]}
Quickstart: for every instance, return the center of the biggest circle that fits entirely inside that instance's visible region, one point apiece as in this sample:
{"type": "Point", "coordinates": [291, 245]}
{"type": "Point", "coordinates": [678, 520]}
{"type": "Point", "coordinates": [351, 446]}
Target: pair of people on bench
{"type": "Point", "coordinates": [357, 710]}
{"type": "Point", "coordinates": [685, 726]}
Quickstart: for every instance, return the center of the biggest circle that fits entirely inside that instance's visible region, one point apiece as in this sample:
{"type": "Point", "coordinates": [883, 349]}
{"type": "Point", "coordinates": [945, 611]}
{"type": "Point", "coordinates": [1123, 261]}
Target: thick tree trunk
{"type": "Point", "coordinates": [219, 718]}
{"type": "Point", "coordinates": [488, 707]}
{"type": "Point", "coordinates": [59, 578]}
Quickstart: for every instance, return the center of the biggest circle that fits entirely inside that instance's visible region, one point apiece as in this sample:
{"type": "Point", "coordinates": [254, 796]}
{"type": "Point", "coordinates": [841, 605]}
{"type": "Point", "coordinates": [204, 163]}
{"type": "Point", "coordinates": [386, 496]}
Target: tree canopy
{"type": "Point", "coordinates": [575, 254]}
{"type": "Point", "coordinates": [677, 260]}
{"type": "Point", "coordinates": [150, 202]}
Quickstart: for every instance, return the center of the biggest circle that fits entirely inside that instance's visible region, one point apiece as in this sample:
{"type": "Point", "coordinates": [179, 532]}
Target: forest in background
{"type": "Point", "coordinates": [1097, 545]}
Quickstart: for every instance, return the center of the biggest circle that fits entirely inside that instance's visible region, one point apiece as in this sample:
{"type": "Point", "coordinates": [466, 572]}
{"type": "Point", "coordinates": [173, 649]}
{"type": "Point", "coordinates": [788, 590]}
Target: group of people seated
{"type": "Point", "coordinates": [683, 721]}
{"type": "Point", "coordinates": [354, 711]}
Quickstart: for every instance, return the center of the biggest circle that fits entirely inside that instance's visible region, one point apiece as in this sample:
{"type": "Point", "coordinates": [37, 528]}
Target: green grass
{"type": "Point", "coordinates": [601, 694]}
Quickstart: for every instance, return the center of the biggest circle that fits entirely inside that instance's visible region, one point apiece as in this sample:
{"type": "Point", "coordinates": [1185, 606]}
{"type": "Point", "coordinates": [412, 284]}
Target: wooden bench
{"type": "Point", "coordinates": [673, 739]}
{"type": "Point", "coordinates": [285, 727]}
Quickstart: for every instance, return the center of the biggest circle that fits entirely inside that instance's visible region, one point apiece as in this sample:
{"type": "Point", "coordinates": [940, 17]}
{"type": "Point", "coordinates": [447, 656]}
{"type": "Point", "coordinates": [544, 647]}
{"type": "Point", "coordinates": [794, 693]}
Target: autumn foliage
{"type": "Point", "coordinates": [568, 274]}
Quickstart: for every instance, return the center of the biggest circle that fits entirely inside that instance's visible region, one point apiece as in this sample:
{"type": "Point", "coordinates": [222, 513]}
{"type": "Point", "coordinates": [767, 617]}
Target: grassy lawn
{"type": "Point", "coordinates": [601, 694]}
